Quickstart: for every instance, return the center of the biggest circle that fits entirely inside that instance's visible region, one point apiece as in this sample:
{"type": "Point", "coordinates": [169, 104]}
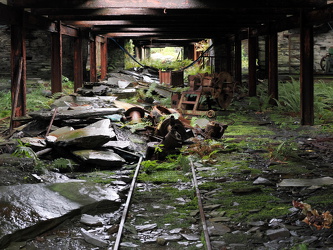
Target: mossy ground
{"type": "Point", "coordinates": [247, 151]}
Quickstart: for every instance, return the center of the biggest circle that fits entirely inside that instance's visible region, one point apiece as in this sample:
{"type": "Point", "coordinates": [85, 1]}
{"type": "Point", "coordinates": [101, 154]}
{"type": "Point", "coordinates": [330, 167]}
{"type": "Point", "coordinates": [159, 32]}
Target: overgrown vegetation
{"type": "Point", "coordinates": [288, 103]}
{"type": "Point", "coordinates": [170, 171]}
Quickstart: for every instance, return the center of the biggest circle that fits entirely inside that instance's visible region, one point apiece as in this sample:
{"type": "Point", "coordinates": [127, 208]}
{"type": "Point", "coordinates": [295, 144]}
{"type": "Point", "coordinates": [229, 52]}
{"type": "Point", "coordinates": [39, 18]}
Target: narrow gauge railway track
{"type": "Point", "coordinates": [127, 206]}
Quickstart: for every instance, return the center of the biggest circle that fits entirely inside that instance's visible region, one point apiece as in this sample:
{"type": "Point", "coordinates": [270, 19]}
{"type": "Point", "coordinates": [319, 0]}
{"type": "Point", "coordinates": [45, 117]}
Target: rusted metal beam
{"type": "Point", "coordinates": [78, 62]}
{"type": "Point", "coordinates": [104, 59]}
{"type": "Point", "coordinates": [69, 31]}
{"type": "Point", "coordinates": [253, 44]}
{"type": "Point", "coordinates": [238, 59]}
{"type": "Point", "coordinates": [170, 4]}
{"type": "Point", "coordinates": [229, 56]}
{"type": "Point", "coordinates": [6, 14]}
{"type": "Point", "coordinates": [115, 13]}
{"type": "Point", "coordinates": [273, 67]}
{"type": "Point", "coordinates": [56, 60]}
{"type": "Point", "coordinates": [93, 60]}
{"type": "Point", "coordinates": [306, 72]}
{"type": "Point", "coordinates": [158, 35]}
{"type": "Point", "coordinates": [18, 68]}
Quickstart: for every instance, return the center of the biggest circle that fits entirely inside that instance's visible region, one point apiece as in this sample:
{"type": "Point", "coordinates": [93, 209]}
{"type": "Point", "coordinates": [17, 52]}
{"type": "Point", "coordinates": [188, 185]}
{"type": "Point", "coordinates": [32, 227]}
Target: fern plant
{"type": "Point", "coordinates": [24, 151]}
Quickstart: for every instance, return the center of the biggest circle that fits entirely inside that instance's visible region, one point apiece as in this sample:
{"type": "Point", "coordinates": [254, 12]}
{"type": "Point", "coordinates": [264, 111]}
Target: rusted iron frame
{"type": "Point", "coordinates": [253, 44]}
{"type": "Point", "coordinates": [93, 59]}
{"type": "Point", "coordinates": [56, 60]}
{"type": "Point", "coordinates": [238, 59]}
{"type": "Point", "coordinates": [202, 213]}
{"type": "Point", "coordinates": [78, 62]}
{"type": "Point", "coordinates": [273, 67]}
{"type": "Point", "coordinates": [18, 73]}
{"type": "Point", "coordinates": [229, 56]}
{"type": "Point", "coordinates": [17, 83]}
{"type": "Point", "coordinates": [104, 58]}
{"type": "Point", "coordinates": [127, 204]}
{"type": "Point", "coordinates": [306, 72]}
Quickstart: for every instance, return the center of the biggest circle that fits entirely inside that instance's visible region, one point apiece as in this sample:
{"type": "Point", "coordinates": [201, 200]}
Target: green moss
{"type": "Point", "coordinates": [259, 205]}
{"type": "Point", "coordinates": [290, 168]}
{"type": "Point", "coordinates": [320, 200]}
{"type": "Point", "coordinates": [163, 177]}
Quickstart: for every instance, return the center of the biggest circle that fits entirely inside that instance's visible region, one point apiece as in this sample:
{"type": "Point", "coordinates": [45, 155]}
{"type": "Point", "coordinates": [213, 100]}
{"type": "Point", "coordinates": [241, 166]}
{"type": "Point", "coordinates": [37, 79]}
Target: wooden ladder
{"type": "Point", "coordinates": [184, 100]}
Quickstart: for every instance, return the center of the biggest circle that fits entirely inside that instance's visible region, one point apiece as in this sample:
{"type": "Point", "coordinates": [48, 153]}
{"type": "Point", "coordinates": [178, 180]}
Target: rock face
{"type": "Point", "coordinates": [29, 210]}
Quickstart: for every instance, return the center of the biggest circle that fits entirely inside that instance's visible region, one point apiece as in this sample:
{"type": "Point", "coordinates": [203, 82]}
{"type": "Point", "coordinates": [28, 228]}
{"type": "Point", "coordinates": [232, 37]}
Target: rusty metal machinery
{"type": "Point", "coordinates": [219, 87]}
{"type": "Point", "coordinates": [326, 63]}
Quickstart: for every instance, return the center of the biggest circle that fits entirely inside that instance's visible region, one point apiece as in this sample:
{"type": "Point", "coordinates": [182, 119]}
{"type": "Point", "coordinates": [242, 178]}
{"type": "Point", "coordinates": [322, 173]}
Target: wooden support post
{"type": "Point", "coordinates": [253, 43]}
{"type": "Point", "coordinates": [273, 67]}
{"type": "Point", "coordinates": [147, 53]}
{"type": "Point", "coordinates": [18, 69]}
{"type": "Point", "coordinates": [189, 51]}
{"type": "Point", "coordinates": [104, 59]}
{"type": "Point", "coordinates": [56, 60]}
{"type": "Point", "coordinates": [238, 59]}
{"type": "Point", "coordinates": [138, 52]}
{"type": "Point", "coordinates": [306, 72]}
{"type": "Point", "coordinates": [219, 55]}
{"type": "Point", "coordinates": [93, 60]}
{"type": "Point", "coordinates": [228, 56]}
{"type": "Point", "coordinates": [78, 62]}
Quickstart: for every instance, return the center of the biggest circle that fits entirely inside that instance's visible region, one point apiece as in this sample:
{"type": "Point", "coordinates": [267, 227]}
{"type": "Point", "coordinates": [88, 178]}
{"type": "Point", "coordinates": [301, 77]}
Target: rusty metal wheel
{"type": "Point", "coordinates": [323, 62]}
{"type": "Point", "coordinates": [211, 113]}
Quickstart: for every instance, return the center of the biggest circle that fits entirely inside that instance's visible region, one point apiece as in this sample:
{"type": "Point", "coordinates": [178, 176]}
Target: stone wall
{"type": "Point", "coordinates": [289, 49]}
{"type": "Point", "coordinates": [38, 50]}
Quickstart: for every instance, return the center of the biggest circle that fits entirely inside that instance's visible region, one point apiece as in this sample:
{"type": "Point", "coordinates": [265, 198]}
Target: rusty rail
{"type": "Point", "coordinates": [202, 213]}
{"type": "Point", "coordinates": [127, 204]}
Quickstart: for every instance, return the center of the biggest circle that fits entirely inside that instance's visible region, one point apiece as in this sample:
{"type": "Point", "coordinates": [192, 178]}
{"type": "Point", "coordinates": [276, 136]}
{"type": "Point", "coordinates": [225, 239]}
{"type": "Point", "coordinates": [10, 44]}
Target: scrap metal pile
{"type": "Point", "coordinates": [218, 87]}
{"type": "Point", "coordinates": [104, 132]}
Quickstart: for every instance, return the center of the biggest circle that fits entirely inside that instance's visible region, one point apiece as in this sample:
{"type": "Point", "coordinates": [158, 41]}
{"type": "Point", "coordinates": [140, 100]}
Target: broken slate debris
{"type": "Point", "coordinates": [93, 239]}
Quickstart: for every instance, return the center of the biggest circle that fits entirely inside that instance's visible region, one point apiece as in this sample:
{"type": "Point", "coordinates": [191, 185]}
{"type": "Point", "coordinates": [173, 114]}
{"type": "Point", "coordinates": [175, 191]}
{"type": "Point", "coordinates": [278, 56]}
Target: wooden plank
{"type": "Point", "coordinates": [306, 74]}
{"type": "Point", "coordinates": [170, 4]}
{"type": "Point", "coordinates": [56, 61]}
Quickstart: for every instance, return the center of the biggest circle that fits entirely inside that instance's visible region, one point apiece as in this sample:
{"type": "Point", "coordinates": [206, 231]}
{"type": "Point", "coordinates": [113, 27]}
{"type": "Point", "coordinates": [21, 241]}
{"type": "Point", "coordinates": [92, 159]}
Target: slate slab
{"type": "Point", "coordinates": [92, 136]}
{"type": "Point", "coordinates": [75, 114]}
{"type": "Point", "coordinates": [31, 209]}
{"type": "Point", "coordinates": [306, 182]}
{"type": "Point", "coordinates": [102, 158]}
